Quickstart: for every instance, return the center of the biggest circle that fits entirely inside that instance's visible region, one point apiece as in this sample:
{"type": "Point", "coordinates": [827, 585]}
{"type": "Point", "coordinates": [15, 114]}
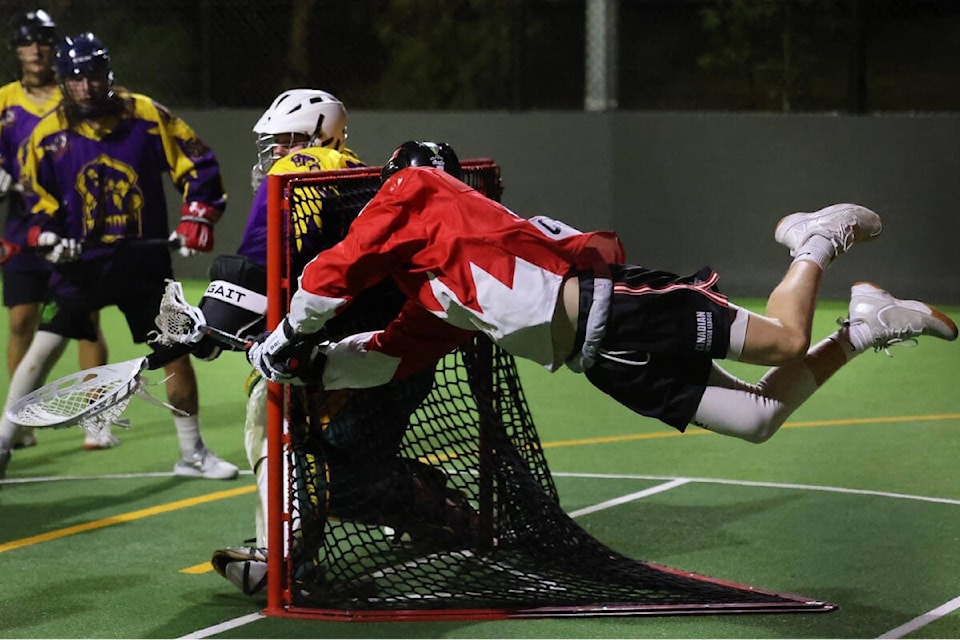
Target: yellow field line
{"type": "Point", "coordinates": [231, 493]}
{"type": "Point", "coordinates": [124, 517]}
{"type": "Point", "coordinates": [787, 425]}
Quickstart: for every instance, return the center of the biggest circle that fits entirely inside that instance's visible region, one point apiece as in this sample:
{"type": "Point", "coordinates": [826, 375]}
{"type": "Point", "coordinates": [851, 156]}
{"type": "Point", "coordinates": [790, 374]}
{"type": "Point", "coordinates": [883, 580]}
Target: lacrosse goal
{"type": "Point", "coordinates": [432, 499]}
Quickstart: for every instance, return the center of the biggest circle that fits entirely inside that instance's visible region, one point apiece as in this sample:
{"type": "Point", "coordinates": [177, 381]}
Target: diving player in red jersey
{"type": "Point", "coordinates": [546, 292]}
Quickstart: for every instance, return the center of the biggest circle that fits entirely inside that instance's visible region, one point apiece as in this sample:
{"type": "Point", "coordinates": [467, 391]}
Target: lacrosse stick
{"type": "Point", "coordinates": [92, 399]}
{"type": "Point", "coordinates": [179, 322]}
{"type": "Point", "coordinates": [9, 249]}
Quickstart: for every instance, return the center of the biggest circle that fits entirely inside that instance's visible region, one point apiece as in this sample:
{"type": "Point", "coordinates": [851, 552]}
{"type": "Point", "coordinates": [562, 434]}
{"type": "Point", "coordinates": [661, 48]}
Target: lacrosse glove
{"type": "Point", "coordinates": [55, 249]}
{"type": "Point", "coordinates": [195, 231]}
{"type": "Point", "coordinates": [285, 357]}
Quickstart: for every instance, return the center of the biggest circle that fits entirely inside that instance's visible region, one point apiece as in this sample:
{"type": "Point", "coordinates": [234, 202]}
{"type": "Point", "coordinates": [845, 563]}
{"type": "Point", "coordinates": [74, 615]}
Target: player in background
{"type": "Point", "coordinates": [26, 275]}
{"type": "Point", "coordinates": [549, 293]}
{"type": "Point", "coordinates": [93, 182]}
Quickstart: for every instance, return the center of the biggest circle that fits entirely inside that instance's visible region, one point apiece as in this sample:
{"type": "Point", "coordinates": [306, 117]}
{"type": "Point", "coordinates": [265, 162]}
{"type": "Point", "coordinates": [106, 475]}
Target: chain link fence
{"type": "Point", "coordinates": [762, 55]}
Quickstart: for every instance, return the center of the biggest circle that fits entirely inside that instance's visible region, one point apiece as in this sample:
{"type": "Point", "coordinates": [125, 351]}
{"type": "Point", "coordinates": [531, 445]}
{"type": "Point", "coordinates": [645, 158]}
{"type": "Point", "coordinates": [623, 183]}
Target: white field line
{"type": "Point", "coordinates": [666, 486]}
{"type": "Point", "coordinates": [106, 476]}
{"type": "Point", "coordinates": [229, 625]}
{"type": "Point", "coordinates": [770, 485]}
{"type": "Point", "coordinates": [924, 620]}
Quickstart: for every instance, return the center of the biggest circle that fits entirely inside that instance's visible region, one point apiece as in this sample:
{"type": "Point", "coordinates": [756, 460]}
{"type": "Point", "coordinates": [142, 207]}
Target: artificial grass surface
{"type": "Point", "coordinates": [882, 425]}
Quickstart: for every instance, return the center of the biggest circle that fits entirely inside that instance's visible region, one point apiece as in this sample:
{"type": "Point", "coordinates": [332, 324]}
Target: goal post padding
{"type": "Point", "coordinates": [431, 498]}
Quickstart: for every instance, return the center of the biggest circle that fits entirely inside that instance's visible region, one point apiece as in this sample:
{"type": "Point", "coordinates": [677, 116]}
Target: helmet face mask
{"type": "Point", "coordinates": [85, 57]}
{"type": "Point", "coordinates": [415, 153]}
{"type": "Point", "coordinates": [33, 27]}
{"type": "Point", "coordinates": [299, 118]}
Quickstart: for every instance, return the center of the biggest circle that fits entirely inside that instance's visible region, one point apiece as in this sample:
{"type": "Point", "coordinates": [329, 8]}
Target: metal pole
{"type": "Point", "coordinates": [600, 55]}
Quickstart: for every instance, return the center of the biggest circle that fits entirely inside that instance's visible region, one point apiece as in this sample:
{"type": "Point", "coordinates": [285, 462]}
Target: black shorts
{"type": "Point", "coordinates": [662, 335]}
{"type": "Point", "coordinates": [133, 280]}
{"type": "Point", "coordinates": [24, 287]}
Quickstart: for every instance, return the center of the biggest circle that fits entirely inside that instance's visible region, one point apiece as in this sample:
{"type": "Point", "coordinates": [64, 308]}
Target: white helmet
{"type": "Point", "coordinates": [310, 112]}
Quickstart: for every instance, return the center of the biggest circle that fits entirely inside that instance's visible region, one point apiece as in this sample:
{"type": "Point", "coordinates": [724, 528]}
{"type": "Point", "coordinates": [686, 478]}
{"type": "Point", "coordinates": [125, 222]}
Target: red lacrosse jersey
{"type": "Point", "coordinates": [466, 263]}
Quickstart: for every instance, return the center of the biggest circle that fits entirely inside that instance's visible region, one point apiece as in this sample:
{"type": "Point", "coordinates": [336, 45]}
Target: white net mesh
{"type": "Point", "coordinates": [92, 398]}
{"type": "Point", "coordinates": [177, 321]}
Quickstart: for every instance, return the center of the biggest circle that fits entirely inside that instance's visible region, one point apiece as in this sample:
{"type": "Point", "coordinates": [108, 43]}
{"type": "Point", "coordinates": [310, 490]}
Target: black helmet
{"type": "Point", "coordinates": [32, 26]}
{"type": "Point", "coordinates": [414, 153]}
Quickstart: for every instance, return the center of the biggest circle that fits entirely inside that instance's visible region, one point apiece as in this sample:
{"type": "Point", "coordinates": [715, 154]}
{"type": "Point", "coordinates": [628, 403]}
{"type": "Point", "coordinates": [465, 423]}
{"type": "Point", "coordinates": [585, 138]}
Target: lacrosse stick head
{"type": "Point", "coordinates": [91, 399]}
{"type": "Point", "coordinates": [178, 322]}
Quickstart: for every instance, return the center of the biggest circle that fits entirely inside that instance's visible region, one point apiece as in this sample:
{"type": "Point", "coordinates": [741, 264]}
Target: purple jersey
{"type": "Point", "coordinates": [104, 184]}
{"type": "Point", "coordinates": [19, 114]}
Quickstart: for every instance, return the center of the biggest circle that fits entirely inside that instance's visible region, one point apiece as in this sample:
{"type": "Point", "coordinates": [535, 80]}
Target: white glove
{"type": "Point", "coordinates": [63, 249]}
{"type": "Point", "coordinates": [269, 358]}
{"type": "Point", "coordinates": [177, 240]}
{"type": "Point", "coordinates": [6, 182]}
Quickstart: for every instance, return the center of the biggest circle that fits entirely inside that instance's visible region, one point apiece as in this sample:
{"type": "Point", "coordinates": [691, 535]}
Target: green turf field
{"type": "Point", "coordinates": [856, 502]}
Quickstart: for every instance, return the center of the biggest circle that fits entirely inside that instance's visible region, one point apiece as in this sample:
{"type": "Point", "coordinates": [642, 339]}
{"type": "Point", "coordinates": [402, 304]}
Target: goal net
{"type": "Point", "coordinates": [431, 498]}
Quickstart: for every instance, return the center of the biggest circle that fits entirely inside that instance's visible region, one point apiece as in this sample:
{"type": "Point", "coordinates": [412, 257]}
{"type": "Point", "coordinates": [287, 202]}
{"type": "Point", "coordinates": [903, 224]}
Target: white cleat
{"type": "Point", "coordinates": [102, 439]}
{"type": "Point", "coordinates": [205, 464]}
{"type": "Point", "coordinates": [892, 321]}
{"type": "Point", "coordinates": [842, 224]}
{"type": "Point", "coordinates": [244, 567]}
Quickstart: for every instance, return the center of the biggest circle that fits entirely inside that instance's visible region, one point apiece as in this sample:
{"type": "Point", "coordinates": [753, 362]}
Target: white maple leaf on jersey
{"type": "Point", "coordinates": [516, 315]}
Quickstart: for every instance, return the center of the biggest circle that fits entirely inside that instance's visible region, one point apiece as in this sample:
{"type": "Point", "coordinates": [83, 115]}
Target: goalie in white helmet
{"type": "Point", "coordinates": [302, 130]}
{"type": "Point", "coordinates": [298, 118]}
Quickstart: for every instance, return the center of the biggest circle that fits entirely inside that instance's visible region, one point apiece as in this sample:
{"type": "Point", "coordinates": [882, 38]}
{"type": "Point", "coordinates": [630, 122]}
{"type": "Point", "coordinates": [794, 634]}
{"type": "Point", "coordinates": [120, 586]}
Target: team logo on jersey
{"type": "Point", "coordinates": [9, 117]}
{"type": "Point", "coordinates": [112, 199]}
{"type": "Point", "coordinates": [55, 146]}
{"type": "Point", "coordinates": [704, 323]}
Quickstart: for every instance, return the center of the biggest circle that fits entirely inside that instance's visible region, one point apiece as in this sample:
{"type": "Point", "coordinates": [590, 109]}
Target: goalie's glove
{"type": "Point", "coordinates": [195, 231]}
{"type": "Point", "coordinates": [55, 249]}
{"type": "Point", "coordinates": [288, 358]}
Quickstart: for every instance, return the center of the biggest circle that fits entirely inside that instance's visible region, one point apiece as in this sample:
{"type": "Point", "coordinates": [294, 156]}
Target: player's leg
{"type": "Point", "coordinates": [93, 353]}
{"type": "Point", "coordinates": [815, 239]}
{"type": "Point", "coordinates": [45, 349]}
{"type": "Point", "coordinates": [23, 323]}
{"type": "Point", "coordinates": [23, 293]}
{"type": "Point", "coordinates": [255, 443]}
{"type": "Point", "coordinates": [876, 320]}
{"type": "Point", "coordinates": [246, 566]}
{"type": "Point", "coordinates": [23, 320]}
{"type": "Point", "coordinates": [196, 460]}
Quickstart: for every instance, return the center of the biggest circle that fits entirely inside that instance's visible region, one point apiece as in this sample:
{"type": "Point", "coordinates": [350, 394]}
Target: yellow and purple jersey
{"type": "Point", "coordinates": [102, 181]}
{"type": "Point", "coordinates": [254, 242]}
{"type": "Point", "coordinates": [19, 114]}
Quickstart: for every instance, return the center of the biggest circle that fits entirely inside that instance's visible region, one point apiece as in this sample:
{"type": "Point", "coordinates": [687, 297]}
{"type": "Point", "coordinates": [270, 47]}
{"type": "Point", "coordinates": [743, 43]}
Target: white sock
{"type": "Point", "coordinates": [816, 249]}
{"type": "Point", "coordinates": [859, 337]}
{"type": "Point", "coordinates": [188, 431]}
